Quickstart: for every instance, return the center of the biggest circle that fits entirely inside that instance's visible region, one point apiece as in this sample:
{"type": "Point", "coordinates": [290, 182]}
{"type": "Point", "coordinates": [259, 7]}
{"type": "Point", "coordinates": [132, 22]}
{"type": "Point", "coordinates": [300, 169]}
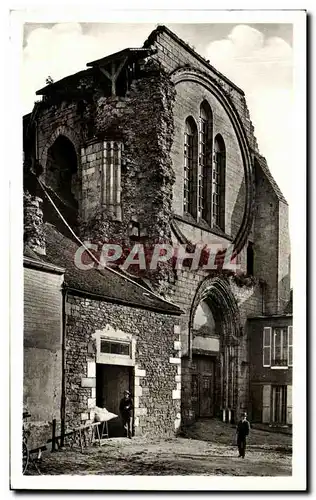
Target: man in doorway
{"type": "Point", "coordinates": [126, 411]}
{"type": "Point", "coordinates": [243, 428]}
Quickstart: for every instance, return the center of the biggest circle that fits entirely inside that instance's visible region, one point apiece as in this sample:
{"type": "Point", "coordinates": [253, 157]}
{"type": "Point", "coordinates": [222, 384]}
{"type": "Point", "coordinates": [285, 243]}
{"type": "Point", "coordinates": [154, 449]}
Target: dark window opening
{"type": "Point", "coordinates": [218, 183]}
{"type": "Point", "coordinates": [134, 230]}
{"type": "Point", "coordinates": [61, 177]}
{"type": "Point", "coordinates": [205, 162]}
{"type": "Point", "coordinates": [113, 347]}
{"type": "Point", "coordinates": [279, 404]}
{"type": "Point", "coordinates": [61, 171]}
{"type": "Point", "coordinates": [250, 259]}
{"type": "Point", "coordinates": [190, 167]}
{"type": "Point", "coordinates": [111, 382]}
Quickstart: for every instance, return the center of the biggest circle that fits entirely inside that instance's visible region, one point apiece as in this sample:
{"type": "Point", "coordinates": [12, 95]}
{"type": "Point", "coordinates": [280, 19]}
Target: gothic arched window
{"type": "Point", "coordinates": [205, 162]}
{"type": "Point", "coordinates": [190, 167]}
{"type": "Point", "coordinates": [218, 183]}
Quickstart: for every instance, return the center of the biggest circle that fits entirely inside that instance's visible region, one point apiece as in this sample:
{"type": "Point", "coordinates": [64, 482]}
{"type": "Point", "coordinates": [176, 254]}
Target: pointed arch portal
{"type": "Point", "coordinates": [215, 328]}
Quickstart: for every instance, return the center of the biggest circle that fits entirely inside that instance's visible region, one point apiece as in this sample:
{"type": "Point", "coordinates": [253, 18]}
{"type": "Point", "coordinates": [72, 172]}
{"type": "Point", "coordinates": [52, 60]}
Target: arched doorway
{"type": "Point", "coordinates": [61, 177]}
{"type": "Point", "coordinates": [205, 350]}
{"type": "Point", "coordinates": [214, 330]}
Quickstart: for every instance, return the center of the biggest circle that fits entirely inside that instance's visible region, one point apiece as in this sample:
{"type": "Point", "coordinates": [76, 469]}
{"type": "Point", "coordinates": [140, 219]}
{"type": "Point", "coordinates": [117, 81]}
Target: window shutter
{"type": "Point", "coordinates": [289, 405]}
{"type": "Point", "coordinates": [290, 345]}
{"type": "Point", "coordinates": [266, 403]}
{"type": "Point", "coordinates": [266, 349]}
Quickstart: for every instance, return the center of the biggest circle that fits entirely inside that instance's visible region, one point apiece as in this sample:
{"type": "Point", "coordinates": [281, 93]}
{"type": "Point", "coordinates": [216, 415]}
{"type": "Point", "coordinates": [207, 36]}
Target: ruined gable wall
{"type": "Point", "coordinates": [173, 55]}
{"type": "Point", "coordinates": [142, 121]}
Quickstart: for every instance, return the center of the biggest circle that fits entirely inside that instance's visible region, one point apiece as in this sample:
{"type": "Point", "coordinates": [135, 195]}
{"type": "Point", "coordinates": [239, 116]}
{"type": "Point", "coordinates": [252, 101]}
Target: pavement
{"type": "Point", "coordinates": [205, 449]}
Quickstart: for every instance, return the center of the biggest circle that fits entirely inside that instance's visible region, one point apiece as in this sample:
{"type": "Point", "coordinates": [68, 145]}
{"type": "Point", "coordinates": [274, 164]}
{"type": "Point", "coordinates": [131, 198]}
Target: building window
{"type": "Point", "coordinates": [112, 177]}
{"type": "Point", "coordinates": [218, 183]}
{"type": "Point", "coordinates": [279, 406]}
{"type": "Point", "coordinates": [280, 347]}
{"type": "Point", "coordinates": [190, 167]}
{"type": "Point", "coordinates": [290, 346]}
{"type": "Point", "coordinates": [267, 346]}
{"type": "Point", "coordinates": [62, 179]}
{"type": "Point", "coordinates": [115, 347]}
{"type": "Point", "coordinates": [205, 162]}
{"type": "Point", "coordinates": [277, 347]}
{"type": "Point", "coordinates": [289, 404]}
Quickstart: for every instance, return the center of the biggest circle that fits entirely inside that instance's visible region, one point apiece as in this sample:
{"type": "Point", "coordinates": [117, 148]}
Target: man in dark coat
{"type": "Point", "coordinates": [126, 411]}
{"type": "Point", "coordinates": [243, 428]}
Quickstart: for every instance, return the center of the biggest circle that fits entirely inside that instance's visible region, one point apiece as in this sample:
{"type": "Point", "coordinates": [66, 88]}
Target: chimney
{"type": "Point", "coordinates": [33, 223]}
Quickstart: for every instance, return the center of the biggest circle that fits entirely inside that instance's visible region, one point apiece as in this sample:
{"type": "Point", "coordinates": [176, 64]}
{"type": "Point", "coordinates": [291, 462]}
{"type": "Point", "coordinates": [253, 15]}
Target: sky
{"type": "Point", "coordinates": [256, 57]}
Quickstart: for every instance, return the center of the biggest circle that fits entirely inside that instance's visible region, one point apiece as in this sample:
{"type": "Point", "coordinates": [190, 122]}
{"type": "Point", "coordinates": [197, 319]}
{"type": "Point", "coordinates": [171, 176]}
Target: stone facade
{"type": "Point", "coordinates": [156, 388]}
{"type": "Point", "coordinates": [125, 143]}
{"type": "Point", "coordinates": [142, 122]}
{"type": "Point", "coordinates": [33, 222]}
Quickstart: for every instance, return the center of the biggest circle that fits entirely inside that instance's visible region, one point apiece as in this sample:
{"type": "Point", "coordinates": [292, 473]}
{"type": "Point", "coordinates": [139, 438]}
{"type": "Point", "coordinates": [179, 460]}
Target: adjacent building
{"type": "Point", "coordinates": [271, 364]}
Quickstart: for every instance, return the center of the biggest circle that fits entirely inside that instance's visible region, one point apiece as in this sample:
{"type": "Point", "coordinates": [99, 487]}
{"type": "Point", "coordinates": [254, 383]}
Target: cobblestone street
{"type": "Point", "coordinates": [268, 454]}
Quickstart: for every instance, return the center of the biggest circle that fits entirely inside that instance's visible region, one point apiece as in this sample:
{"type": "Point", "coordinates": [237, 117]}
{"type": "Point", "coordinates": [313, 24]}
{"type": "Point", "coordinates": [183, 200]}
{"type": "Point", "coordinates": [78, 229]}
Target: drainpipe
{"type": "Point", "coordinates": [36, 140]}
{"type": "Point", "coordinates": [190, 340]}
{"type": "Point", "coordinates": [264, 293]}
{"type": "Point", "coordinates": [63, 376]}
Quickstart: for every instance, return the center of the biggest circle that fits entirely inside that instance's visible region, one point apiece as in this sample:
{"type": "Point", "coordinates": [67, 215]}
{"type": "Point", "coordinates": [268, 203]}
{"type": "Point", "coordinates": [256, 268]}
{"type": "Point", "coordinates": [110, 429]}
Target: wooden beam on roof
{"type": "Point", "coordinates": [115, 72]}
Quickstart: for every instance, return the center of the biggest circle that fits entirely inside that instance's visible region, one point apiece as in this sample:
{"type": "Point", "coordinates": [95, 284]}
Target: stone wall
{"type": "Point", "coordinates": [157, 367]}
{"type": "Point", "coordinates": [250, 302]}
{"type": "Point", "coordinates": [33, 223]}
{"type": "Point", "coordinates": [143, 122]}
{"type": "Point", "coordinates": [266, 241]}
{"type": "Point", "coordinates": [284, 257]}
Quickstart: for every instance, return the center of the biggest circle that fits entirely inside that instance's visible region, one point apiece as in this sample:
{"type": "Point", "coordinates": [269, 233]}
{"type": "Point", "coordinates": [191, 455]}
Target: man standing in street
{"type": "Point", "coordinates": [126, 411]}
{"type": "Point", "coordinates": [243, 428]}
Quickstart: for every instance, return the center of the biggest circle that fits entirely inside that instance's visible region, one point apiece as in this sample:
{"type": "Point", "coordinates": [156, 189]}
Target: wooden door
{"type": "Point", "coordinates": [203, 387]}
{"type": "Point", "coordinates": [111, 382]}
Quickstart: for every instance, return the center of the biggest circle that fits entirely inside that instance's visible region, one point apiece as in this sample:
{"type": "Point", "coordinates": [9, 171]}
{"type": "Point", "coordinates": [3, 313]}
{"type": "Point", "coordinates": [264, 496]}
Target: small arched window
{"type": "Point", "coordinates": [205, 162]}
{"type": "Point", "coordinates": [218, 183]}
{"type": "Point", "coordinates": [190, 167]}
{"type": "Point", "coordinates": [61, 177]}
